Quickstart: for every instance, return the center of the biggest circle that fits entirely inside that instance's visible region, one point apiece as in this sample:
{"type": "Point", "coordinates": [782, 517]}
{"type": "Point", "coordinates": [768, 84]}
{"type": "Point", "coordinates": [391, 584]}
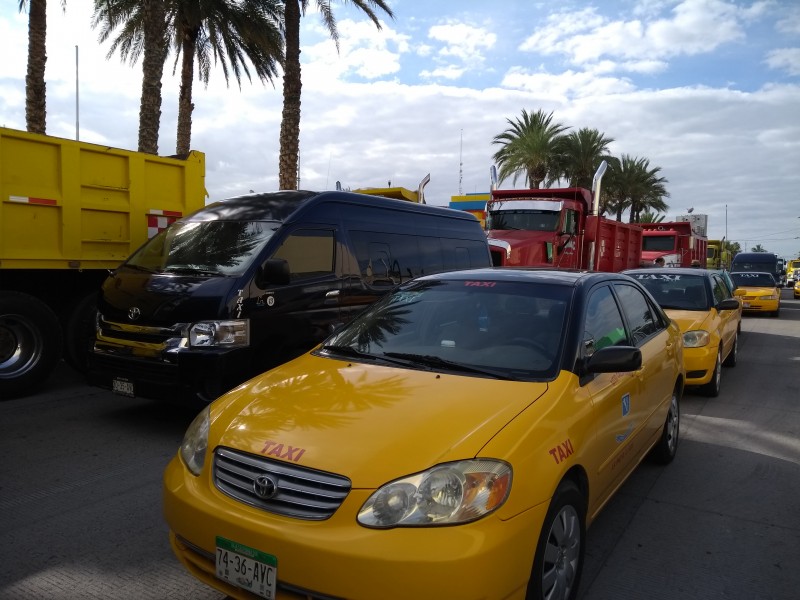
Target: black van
{"type": "Point", "coordinates": [247, 283]}
{"type": "Point", "coordinates": [762, 262]}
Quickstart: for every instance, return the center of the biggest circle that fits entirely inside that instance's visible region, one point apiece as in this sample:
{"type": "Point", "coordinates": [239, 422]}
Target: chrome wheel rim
{"type": "Point", "coordinates": [561, 555]}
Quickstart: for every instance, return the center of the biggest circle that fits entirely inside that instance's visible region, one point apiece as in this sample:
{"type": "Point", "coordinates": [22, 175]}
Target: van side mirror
{"type": "Point", "coordinates": [274, 271]}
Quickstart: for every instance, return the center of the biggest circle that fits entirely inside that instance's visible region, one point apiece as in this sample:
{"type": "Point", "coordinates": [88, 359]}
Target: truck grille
{"type": "Point", "coordinates": [285, 489]}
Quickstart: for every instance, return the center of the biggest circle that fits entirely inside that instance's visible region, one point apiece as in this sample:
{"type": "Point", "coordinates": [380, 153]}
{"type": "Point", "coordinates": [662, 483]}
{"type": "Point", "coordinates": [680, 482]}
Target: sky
{"type": "Point", "coordinates": [708, 91]}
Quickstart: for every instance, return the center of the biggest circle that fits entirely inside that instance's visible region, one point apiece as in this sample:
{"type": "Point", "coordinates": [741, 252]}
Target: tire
{"type": "Point", "coordinates": [30, 344]}
{"type": "Point", "coordinates": [730, 360]}
{"type": "Point", "coordinates": [558, 563]}
{"type": "Point", "coordinates": [79, 333]}
{"type": "Point", "coordinates": [711, 389]}
{"type": "Point", "coordinates": [776, 314]}
{"type": "Point", "coordinates": [664, 451]}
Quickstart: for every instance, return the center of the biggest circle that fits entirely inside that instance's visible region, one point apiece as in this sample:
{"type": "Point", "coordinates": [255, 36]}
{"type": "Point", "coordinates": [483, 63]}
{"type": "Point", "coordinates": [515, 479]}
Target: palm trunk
{"type": "Point", "coordinates": [290, 118]}
{"type": "Point", "coordinates": [152, 70]}
{"type": "Point", "coordinates": [185, 106]}
{"type": "Point", "coordinates": [35, 94]}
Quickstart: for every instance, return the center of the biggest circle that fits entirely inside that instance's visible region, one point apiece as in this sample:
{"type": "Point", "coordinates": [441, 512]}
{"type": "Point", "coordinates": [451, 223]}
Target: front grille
{"type": "Point", "coordinates": [300, 493]}
{"type": "Point", "coordinates": [138, 333]}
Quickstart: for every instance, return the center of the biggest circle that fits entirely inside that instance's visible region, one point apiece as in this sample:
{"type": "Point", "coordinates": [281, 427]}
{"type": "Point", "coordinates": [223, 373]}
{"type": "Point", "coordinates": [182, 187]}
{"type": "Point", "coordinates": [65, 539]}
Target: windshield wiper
{"type": "Point", "coordinates": [430, 360]}
{"type": "Point", "coordinates": [191, 271]}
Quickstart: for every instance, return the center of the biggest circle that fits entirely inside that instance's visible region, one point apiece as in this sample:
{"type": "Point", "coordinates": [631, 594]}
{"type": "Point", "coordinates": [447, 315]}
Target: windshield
{"type": "Point", "coordinates": [525, 220]}
{"type": "Point", "coordinates": [753, 279]}
{"type": "Point", "coordinates": [208, 247]}
{"type": "Point", "coordinates": [662, 243]}
{"type": "Point", "coordinates": [680, 292]}
{"type": "Point", "coordinates": [509, 330]}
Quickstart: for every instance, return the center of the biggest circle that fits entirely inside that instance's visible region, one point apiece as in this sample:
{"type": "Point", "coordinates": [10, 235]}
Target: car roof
{"type": "Point", "coordinates": [568, 277]}
{"type": "Point", "coordinates": [672, 271]}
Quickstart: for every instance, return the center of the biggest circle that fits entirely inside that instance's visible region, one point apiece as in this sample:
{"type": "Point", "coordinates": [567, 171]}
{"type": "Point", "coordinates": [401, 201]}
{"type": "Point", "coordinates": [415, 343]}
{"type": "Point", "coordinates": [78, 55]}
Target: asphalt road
{"type": "Point", "coordinates": [80, 493]}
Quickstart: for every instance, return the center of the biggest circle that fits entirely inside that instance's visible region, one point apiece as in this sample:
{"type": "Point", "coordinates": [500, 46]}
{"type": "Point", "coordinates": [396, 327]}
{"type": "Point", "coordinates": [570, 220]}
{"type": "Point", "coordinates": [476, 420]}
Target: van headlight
{"type": "Point", "coordinates": [446, 494]}
{"type": "Point", "coordinates": [231, 334]}
{"type": "Point", "coordinates": [696, 339]}
{"type": "Point", "coordinates": [195, 443]}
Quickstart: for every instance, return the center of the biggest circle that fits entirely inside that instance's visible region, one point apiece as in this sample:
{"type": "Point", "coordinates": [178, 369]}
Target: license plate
{"type": "Point", "coordinates": [247, 568]}
{"type": "Point", "coordinates": [745, 305]}
{"type": "Point", "coordinates": [123, 387]}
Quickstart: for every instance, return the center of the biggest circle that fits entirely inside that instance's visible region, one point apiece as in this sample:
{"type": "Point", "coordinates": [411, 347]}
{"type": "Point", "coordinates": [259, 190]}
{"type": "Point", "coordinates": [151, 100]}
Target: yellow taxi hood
{"type": "Point", "coordinates": [690, 320]}
{"type": "Point", "coordinates": [755, 291]}
{"type": "Point", "coordinates": [368, 422]}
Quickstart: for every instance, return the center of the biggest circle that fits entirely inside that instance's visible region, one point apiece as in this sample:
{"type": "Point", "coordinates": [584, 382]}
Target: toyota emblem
{"type": "Point", "coordinates": [134, 313]}
{"type": "Point", "coordinates": [265, 486]}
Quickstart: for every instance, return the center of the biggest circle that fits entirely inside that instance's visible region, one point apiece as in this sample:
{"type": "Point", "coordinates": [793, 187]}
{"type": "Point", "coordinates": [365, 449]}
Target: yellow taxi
{"type": "Point", "coordinates": [797, 289]}
{"type": "Point", "coordinates": [793, 272]}
{"type": "Point", "coordinates": [759, 292]}
{"type": "Point", "coordinates": [455, 440]}
{"type": "Point", "coordinates": [709, 316]}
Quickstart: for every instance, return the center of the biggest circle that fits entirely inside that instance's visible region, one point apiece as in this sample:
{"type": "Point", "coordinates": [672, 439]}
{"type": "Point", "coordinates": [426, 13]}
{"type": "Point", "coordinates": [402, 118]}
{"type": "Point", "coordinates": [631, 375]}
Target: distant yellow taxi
{"type": "Point", "coordinates": [797, 289]}
{"type": "Point", "coordinates": [759, 292]}
{"type": "Point", "coordinates": [453, 441]}
{"type": "Point", "coordinates": [709, 317]}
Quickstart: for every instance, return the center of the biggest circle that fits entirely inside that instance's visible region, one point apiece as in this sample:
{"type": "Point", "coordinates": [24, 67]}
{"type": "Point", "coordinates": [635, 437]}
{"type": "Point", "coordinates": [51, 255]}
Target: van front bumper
{"type": "Point", "coordinates": [337, 558]}
{"type": "Point", "coordinates": [195, 377]}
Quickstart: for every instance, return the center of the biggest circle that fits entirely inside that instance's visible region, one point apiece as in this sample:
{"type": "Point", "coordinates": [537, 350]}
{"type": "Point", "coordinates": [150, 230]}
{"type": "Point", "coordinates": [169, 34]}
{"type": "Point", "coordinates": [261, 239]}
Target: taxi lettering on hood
{"type": "Point", "coordinates": [285, 452]}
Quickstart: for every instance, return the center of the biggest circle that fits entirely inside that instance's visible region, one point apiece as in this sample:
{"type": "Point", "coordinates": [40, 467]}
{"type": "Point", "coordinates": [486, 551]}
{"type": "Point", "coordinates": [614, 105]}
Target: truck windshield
{"type": "Point", "coordinates": [525, 220]}
{"type": "Point", "coordinates": [209, 247]}
{"type": "Point", "coordinates": [658, 243]}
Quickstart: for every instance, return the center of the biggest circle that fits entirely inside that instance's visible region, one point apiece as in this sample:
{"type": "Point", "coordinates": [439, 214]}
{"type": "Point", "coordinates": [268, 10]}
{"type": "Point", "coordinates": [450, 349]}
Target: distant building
{"type": "Point", "coordinates": [472, 203]}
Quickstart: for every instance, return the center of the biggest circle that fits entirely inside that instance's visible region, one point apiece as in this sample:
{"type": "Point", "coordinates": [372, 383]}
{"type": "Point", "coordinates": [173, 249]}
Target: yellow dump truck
{"type": "Point", "coordinates": [69, 212]}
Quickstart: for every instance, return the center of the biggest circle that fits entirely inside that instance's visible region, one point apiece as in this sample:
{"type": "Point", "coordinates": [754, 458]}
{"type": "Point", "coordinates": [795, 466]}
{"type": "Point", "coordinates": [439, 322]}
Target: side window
{"type": "Point", "coordinates": [640, 315]}
{"type": "Point", "coordinates": [720, 290]}
{"type": "Point", "coordinates": [309, 252]}
{"type": "Point", "coordinates": [603, 322]}
{"type": "Point", "coordinates": [386, 259]}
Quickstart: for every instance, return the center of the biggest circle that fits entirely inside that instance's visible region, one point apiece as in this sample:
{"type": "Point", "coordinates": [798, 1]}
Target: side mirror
{"type": "Point", "coordinates": [728, 304]}
{"type": "Point", "coordinates": [614, 359]}
{"type": "Point", "coordinates": [274, 271]}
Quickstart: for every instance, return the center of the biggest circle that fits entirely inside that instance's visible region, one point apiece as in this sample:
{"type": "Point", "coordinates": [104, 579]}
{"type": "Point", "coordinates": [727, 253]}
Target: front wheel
{"type": "Point", "coordinates": [557, 567]}
{"type": "Point", "coordinates": [711, 389]}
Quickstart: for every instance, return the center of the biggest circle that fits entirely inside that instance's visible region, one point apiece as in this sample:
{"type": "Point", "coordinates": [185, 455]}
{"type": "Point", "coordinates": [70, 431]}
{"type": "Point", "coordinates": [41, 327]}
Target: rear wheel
{"type": "Point", "coordinates": [664, 451]}
{"type": "Point", "coordinates": [711, 389]}
{"type": "Point", "coordinates": [30, 344]}
{"type": "Point", "coordinates": [730, 360]}
{"type": "Point", "coordinates": [558, 563]}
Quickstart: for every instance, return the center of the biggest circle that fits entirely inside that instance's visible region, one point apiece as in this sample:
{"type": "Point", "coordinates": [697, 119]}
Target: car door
{"type": "Point", "coordinates": [729, 319]}
{"type": "Point", "coordinates": [612, 394]}
{"type": "Point", "coordinates": [656, 377]}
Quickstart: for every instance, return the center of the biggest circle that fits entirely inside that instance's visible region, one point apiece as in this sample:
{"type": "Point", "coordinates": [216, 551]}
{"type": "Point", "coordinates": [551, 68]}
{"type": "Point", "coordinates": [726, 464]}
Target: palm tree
{"type": "Point", "coordinates": [292, 84]}
{"type": "Point", "coordinates": [152, 42]}
{"type": "Point", "coordinates": [35, 87]}
{"type": "Point", "coordinates": [582, 152]}
{"type": "Point", "coordinates": [532, 145]}
{"type": "Point", "coordinates": [631, 184]}
{"type": "Point", "coordinates": [758, 248]}
{"type": "Point", "coordinates": [224, 31]}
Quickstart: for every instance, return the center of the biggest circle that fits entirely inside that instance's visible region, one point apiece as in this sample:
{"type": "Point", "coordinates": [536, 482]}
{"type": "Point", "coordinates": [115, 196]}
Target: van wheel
{"type": "Point", "coordinates": [30, 344]}
{"type": "Point", "coordinates": [557, 567]}
{"type": "Point", "coordinates": [730, 360]}
{"type": "Point", "coordinates": [664, 451]}
{"type": "Point", "coordinates": [80, 332]}
{"type": "Point", "coordinates": [711, 389]}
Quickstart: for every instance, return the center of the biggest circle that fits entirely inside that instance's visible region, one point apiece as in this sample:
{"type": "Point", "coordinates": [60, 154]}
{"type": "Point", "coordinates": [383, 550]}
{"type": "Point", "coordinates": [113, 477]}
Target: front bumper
{"type": "Point", "coordinates": [699, 363]}
{"type": "Point", "coordinates": [337, 558]}
{"type": "Point", "coordinates": [753, 305]}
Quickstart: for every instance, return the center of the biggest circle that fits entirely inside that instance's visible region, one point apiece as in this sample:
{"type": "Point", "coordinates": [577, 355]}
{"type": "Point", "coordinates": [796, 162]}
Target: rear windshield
{"type": "Point", "coordinates": [209, 247]}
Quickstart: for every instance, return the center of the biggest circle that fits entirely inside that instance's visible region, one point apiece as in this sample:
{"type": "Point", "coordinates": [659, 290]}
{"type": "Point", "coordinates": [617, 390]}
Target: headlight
{"type": "Point", "coordinates": [770, 297]}
{"type": "Point", "coordinates": [233, 334]}
{"type": "Point", "coordinates": [195, 443]}
{"type": "Point", "coordinates": [446, 494]}
{"type": "Point", "coordinates": [696, 339]}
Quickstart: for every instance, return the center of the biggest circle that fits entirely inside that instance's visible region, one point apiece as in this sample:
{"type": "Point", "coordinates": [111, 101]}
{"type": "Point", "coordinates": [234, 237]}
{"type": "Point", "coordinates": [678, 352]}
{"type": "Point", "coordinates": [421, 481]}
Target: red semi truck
{"type": "Point", "coordinates": [558, 228]}
{"type": "Point", "coordinates": [681, 243]}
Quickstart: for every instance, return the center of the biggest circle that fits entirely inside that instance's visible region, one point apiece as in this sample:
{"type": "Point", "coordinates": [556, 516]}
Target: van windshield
{"type": "Point", "coordinates": [208, 247]}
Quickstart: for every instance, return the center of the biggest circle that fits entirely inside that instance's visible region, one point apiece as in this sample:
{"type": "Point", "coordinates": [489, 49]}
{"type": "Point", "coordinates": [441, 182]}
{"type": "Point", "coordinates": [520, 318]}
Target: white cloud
{"type": "Point", "coordinates": [785, 59]}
